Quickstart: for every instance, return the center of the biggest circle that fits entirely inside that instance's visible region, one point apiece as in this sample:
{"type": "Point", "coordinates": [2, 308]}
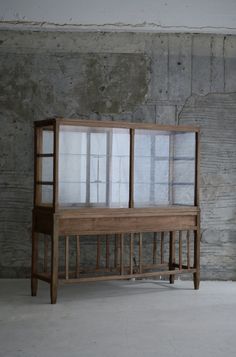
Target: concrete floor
{"type": "Point", "coordinates": [126, 318]}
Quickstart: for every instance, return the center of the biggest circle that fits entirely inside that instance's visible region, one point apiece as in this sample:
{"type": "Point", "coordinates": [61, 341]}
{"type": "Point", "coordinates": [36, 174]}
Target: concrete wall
{"type": "Point", "coordinates": [163, 78]}
{"type": "Point", "coordinates": [151, 15]}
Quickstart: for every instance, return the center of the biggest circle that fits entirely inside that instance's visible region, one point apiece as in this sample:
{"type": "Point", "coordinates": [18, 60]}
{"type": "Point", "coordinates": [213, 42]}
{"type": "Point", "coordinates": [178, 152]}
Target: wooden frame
{"type": "Point", "coordinates": [171, 222]}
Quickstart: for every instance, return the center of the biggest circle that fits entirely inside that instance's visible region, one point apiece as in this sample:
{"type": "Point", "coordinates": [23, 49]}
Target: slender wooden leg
{"type": "Point", "coordinates": [196, 276]}
{"type": "Point", "coordinates": [172, 256]}
{"type": "Point", "coordinates": [34, 264]}
{"type": "Point", "coordinates": [54, 263]}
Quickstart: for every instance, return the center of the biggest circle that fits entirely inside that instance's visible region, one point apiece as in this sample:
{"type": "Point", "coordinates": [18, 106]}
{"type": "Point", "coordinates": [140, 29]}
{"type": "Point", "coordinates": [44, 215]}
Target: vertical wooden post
{"type": "Point", "coordinates": [196, 276]}
{"type": "Point", "coordinates": [77, 256]}
{"type": "Point", "coordinates": [131, 252]}
{"type": "Point", "coordinates": [162, 247]}
{"type": "Point", "coordinates": [67, 257]}
{"type": "Point", "coordinates": [172, 255]}
{"type": "Point", "coordinates": [34, 263]}
{"type": "Point", "coordinates": [55, 164]}
{"type": "Point", "coordinates": [197, 233]}
{"type": "Point", "coordinates": [140, 252]}
{"type": "Point", "coordinates": [180, 250]}
{"type": "Point", "coordinates": [122, 254]}
{"type": "Point", "coordinates": [154, 251]}
{"type": "Point", "coordinates": [131, 170]}
{"type": "Point", "coordinates": [38, 141]}
{"type": "Point", "coordinates": [88, 153]}
{"type": "Point", "coordinates": [171, 167]}
{"type": "Point", "coordinates": [54, 262]}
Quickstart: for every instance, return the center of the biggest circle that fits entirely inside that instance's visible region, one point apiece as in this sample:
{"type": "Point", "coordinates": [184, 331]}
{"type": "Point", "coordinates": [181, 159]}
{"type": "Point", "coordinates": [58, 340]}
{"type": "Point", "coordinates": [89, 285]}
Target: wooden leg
{"type": "Point", "coordinates": [54, 264]}
{"type": "Point", "coordinates": [34, 264]}
{"type": "Point", "coordinates": [196, 276]}
{"type": "Point", "coordinates": [172, 256]}
{"type": "Point", "coordinates": [122, 254]}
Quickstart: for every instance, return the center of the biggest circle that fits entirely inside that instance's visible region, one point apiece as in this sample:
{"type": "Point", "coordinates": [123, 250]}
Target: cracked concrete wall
{"type": "Point", "coordinates": [163, 78]}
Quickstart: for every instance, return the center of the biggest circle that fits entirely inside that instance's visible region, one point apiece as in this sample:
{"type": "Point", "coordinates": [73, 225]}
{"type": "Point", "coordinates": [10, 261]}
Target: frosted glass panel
{"type": "Point", "coordinates": [46, 194]}
{"type": "Point", "coordinates": [93, 166]}
{"type": "Point", "coordinates": [47, 168]}
{"type": "Point", "coordinates": [151, 168]}
{"type": "Point", "coordinates": [164, 168]}
{"type": "Point", "coordinates": [184, 169]}
{"type": "Point", "coordinates": [47, 141]}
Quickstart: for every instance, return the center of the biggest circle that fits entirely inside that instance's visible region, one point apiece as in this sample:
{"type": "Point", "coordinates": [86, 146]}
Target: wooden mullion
{"type": "Point", "coordinates": [88, 164]}
{"type": "Point", "coordinates": [131, 170]}
{"type": "Point", "coordinates": [44, 155]}
{"type": "Point", "coordinates": [56, 129]}
{"type": "Point", "coordinates": [38, 134]}
{"type": "Point", "coordinates": [171, 167]}
{"type": "Point", "coordinates": [108, 168]}
{"type": "Point", "coordinates": [46, 183]}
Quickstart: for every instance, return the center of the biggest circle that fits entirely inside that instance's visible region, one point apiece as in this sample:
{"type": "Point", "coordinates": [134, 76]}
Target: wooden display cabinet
{"type": "Point", "coordinates": [117, 181]}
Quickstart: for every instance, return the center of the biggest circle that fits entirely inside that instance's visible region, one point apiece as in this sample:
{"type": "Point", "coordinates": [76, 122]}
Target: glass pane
{"type": "Point", "coordinates": [47, 168]}
{"type": "Point", "coordinates": [47, 194]}
{"type": "Point", "coordinates": [93, 166]}
{"type": "Point", "coordinates": [151, 168]}
{"type": "Point", "coordinates": [183, 169]}
{"type": "Point", "coordinates": [164, 168]}
{"type": "Point", "coordinates": [47, 141]}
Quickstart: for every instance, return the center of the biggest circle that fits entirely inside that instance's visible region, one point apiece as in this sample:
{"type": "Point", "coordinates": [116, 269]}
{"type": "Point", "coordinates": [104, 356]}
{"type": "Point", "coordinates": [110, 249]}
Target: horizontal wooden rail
{"type": "Point", "coordinates": [45, 155]}
{"type": "Point", "coordinates": [43, 276]}
{"type": "Point", "coordinates": [128, 276]}
{"type": "Point", "coordinates": [47, 183]}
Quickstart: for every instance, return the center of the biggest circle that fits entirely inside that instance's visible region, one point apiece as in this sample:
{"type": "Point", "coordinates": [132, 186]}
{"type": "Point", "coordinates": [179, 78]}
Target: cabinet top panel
{"type": "Point", "coordinates": [113, 124]}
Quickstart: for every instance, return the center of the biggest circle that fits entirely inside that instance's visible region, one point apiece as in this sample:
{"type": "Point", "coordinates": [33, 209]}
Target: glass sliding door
{"type": "Point", "coordinates": [164, 168]}
{"type": "Point", "coordinates": [93, 166]}
{"type": "Point", "coordinates": [184, 147]}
